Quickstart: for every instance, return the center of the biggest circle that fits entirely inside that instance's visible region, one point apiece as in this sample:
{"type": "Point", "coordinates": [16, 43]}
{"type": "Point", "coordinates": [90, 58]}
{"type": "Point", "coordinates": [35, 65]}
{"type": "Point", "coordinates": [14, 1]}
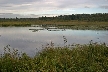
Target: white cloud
{"type": "Point", "coordinates": [48, 6]}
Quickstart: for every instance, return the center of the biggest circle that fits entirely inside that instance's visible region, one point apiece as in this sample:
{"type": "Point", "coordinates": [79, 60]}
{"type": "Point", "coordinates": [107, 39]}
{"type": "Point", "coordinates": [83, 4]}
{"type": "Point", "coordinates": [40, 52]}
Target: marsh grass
{"type": "Point", "coordinates": [92, 57]}
{"type": "Point", "coordinates": [73, 24]}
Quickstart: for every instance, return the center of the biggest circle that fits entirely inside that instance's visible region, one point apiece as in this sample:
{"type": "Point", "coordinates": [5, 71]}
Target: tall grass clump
{"type": "Point", "coordinates": [92, 57]}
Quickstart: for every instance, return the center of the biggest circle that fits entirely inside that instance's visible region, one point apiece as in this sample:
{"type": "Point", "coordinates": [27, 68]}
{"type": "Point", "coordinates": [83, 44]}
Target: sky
{"type": "Point", "coordinates": [38, 8]}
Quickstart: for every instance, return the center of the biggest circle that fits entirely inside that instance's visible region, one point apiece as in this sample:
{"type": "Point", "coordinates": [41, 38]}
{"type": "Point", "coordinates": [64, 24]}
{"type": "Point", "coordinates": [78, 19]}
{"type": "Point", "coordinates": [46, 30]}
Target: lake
{"type": "Point", "coordinates": [32, 39]}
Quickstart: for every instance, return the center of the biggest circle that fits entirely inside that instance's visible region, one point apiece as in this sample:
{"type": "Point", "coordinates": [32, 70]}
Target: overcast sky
{"type": "Point", "coordinates": [36, 8]}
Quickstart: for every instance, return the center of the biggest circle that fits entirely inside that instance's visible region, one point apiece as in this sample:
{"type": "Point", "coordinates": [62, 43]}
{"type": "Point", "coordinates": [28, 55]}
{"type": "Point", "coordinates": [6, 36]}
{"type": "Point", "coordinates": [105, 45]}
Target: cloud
{"type": "Point", "coordinates": [87, 7]}
{"type": "Point", "coordinates": [105, 7]}
{"type": "Point", "coordinates": [11, 15]}
{"type": "Point", "coordinates": [17, 1]}
{"type": "Point", "coordinates": [55, 7]}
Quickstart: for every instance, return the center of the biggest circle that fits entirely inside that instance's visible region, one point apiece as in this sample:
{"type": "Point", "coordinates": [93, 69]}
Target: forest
{"type": "Point", "coordinates": [100, 17]}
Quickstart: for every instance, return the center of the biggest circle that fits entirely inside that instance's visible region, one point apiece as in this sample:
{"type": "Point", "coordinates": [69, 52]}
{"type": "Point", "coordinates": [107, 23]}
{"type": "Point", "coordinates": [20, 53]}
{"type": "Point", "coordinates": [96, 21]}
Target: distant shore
{"type": "Point", "coordinates": [60, 24]}
{"type": "Point", "coordinates": [97, 21]}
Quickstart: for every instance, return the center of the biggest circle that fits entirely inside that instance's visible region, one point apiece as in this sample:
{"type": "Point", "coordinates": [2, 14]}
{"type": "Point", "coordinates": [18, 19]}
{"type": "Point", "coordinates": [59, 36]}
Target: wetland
{"type": "Point", "coordinates": [65, 43]}
{"type": "Point", "coordinates": [32, 39]}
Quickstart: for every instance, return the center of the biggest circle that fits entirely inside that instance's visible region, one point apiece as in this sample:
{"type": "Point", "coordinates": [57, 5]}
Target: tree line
{"type": "Point", "coordinates": [78, 17]}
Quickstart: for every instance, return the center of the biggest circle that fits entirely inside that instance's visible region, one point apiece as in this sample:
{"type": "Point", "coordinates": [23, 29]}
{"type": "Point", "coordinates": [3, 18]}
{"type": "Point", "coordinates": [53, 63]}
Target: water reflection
{"type": "Point", "coordinates": [25, 40]}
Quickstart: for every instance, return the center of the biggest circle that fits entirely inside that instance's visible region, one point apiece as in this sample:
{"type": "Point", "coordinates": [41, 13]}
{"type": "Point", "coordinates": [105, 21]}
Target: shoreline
{"type": "Point", "coordinates": [83, 25]}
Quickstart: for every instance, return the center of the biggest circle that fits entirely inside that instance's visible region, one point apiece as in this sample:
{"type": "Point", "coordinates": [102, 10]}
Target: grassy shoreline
{"type": "Point", "coordinates": [12, 23]}
{"type": "Point", "coordinates": [91, 57]}
{"type": "Point", "coordinates": [83, 25]}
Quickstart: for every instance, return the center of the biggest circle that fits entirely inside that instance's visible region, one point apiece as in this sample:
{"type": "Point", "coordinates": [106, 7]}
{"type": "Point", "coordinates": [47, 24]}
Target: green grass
{"type": "Point", "coordinates": [91, 57]}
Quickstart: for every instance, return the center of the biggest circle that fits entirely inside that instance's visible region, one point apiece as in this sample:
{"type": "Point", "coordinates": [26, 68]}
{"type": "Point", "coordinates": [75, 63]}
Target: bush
{"type": "Point", "coordinates": [91, 57]}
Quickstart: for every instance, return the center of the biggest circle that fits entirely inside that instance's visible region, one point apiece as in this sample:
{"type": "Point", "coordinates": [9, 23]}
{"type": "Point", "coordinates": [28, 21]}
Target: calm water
{"type": "Point", "coordinates": [27, 40]}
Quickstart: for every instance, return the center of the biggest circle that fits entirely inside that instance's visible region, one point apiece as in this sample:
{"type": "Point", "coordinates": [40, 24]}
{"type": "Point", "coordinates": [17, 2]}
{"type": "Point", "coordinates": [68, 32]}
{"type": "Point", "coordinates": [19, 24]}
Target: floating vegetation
{"type": "Point", "coordinates": [48, 28]}
{"type": "Point", "coordinates": [35, 30]}
{"type": "Point", "coordinates": [56, 29]}
{"type": "Point", "coordinates": [63, 27]}
{"type": "Point", "coordinates": [51, 28]}
{"type": "Point", "coordinates": [79, 26]}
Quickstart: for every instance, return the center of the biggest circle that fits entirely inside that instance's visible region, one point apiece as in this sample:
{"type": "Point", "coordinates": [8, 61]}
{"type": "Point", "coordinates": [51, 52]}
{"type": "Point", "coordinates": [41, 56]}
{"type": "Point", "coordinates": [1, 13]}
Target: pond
{"type": "Point", "coordinates": [32, 39]}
